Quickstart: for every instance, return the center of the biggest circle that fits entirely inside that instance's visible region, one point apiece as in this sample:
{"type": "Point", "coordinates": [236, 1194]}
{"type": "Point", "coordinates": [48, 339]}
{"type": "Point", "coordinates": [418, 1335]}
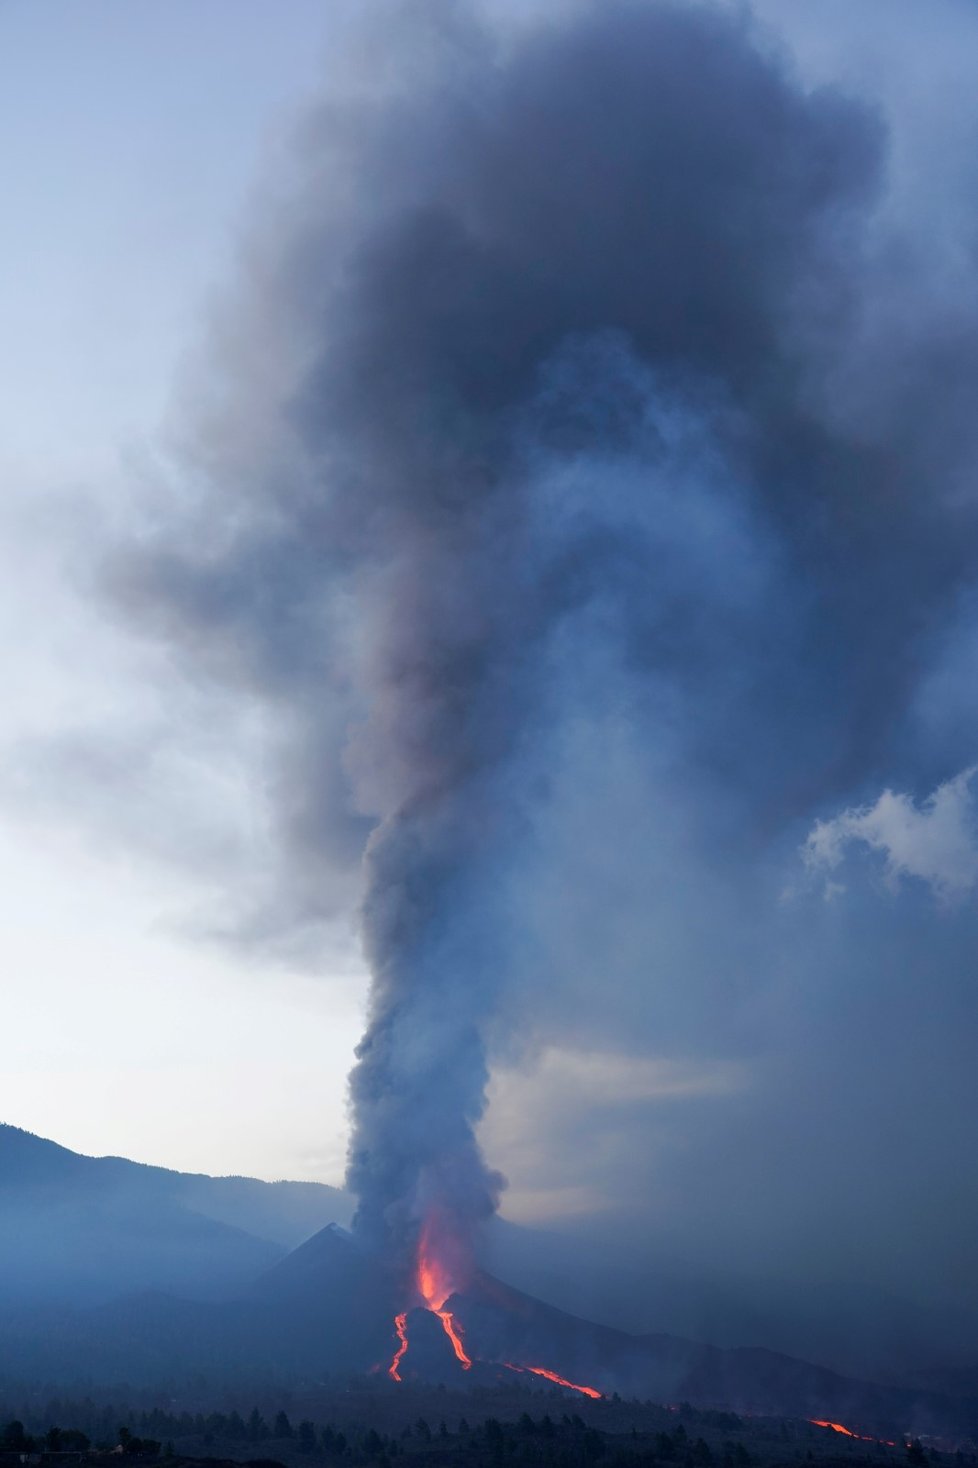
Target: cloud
{"type": "Point", "coordinates": [540, 1110]}
{"type": "Point", "coordinates": [576, 486]}
{"type": "Point", "coordinates": [936, 842]}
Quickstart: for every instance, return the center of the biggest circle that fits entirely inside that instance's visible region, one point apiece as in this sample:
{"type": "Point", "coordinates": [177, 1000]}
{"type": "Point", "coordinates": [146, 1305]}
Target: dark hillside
{"type": "Point", "coordinates": [78, 1230]}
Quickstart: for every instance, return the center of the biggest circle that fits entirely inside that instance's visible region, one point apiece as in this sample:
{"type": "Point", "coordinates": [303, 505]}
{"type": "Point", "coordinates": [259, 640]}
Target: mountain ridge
{"type": "Point", "coordinates": [83, 1230]}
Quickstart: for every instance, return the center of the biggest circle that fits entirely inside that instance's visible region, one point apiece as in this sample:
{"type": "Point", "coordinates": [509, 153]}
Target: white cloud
{"type": "Point", "coordinates": [936, 841]}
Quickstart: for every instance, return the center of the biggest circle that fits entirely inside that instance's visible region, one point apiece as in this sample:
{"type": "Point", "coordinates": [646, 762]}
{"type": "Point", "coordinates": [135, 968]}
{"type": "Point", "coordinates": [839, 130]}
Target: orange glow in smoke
{"type": "Point", "coordinates": [587, 1391]}
{"type": "Point", "coordinates": [435, 1286]}
{"type": "Point", "coordinates": [400, 1325]}
{"type": "Point", "coordinates": [436, 1283]}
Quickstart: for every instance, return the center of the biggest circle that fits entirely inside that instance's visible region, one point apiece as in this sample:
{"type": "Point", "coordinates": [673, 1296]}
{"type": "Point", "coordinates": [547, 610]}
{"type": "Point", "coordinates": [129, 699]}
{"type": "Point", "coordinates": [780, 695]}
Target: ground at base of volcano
{"type": "Point", "coordinates": [421, 1426]}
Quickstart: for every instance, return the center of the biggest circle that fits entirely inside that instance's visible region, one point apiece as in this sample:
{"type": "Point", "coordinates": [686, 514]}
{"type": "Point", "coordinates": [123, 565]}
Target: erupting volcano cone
{"type": "Point", "coordinates": [434, 1282]}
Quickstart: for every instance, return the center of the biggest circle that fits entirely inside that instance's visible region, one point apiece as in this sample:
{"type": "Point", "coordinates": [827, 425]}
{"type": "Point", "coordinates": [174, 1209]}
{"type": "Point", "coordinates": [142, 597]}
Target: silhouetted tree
{"type": "Point", "coordinates": [592, 1444]}
{"type": "Point", "coordinates": [14, 1439]}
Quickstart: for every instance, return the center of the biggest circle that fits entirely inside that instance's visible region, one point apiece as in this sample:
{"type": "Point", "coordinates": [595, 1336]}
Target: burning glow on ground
{"type": "Point", "coordinates": [435, 1284]}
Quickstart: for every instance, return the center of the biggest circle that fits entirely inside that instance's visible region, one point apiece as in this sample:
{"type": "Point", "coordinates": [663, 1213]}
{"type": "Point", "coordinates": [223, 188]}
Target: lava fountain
{"type": "Point", "coordinates": [434, 1284]}
{"type": "Point", "coordinates": [435, 1281]}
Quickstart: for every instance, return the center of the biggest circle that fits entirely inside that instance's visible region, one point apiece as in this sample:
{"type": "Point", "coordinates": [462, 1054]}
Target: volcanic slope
{"type": "Point", "coordinates": [328, 1309]}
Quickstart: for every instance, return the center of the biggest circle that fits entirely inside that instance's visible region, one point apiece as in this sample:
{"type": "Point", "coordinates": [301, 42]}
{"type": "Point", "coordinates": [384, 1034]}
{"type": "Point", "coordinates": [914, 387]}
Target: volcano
{"type": "Point", "coordinates": [329, 1310]}
{"type": "Point", "coordinates": [345, 1305]}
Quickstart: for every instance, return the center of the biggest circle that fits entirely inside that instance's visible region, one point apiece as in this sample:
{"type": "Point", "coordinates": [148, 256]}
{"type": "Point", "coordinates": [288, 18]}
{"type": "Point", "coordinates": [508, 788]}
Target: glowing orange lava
{"type": "Point", "coordinates": [587, 1391]}
{"type": "Point", "coordinates": [847, 1432]}
{"type": "Point", "coordinates": [454, 1332]}
{"type": "Point", "coordinates": [435, 1283]}
{"type": "Point", "coordinates": [400, 1325]}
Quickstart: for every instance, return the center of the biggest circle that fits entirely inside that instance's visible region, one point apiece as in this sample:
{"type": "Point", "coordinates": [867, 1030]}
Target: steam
{"type": "Point", "coordinates": [540, 413]}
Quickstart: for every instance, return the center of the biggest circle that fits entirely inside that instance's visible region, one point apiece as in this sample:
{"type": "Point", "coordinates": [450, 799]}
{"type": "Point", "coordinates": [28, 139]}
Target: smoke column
{"type": "Point", "coordinates": [543, 405]}
{"type": "Point", "coordinates": [549, 283]}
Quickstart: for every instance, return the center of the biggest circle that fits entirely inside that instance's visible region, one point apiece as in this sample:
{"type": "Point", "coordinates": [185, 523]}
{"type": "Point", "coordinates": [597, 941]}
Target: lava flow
{"type": "Point", "coordinates": [400, 1325]}
{"type": "Point", "coordinates": [587, 1391]}
{"type": "Point", "coordinates": [435, 1286]}
{"type": "Point", "coordinates": [435, 1283]}
{"type": "Point", "coordinates": [848, 1432]}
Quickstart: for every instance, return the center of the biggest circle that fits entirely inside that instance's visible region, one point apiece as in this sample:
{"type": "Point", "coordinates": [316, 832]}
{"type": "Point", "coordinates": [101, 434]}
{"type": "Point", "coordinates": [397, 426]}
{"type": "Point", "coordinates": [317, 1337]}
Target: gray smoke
{"type": "Point", "coordinates": [584, 404]}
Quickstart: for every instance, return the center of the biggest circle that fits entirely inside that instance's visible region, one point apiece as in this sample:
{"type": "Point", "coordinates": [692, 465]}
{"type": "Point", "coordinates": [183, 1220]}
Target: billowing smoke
{"type": "Point", "coordinates": [563, 404]}
{"type": "Point", "coordinates": [559, 253]}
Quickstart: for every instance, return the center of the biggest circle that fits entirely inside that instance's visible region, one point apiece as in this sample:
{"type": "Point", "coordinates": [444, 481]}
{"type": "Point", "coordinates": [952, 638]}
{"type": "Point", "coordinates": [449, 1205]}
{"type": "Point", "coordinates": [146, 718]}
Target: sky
{"type": "Point", "coordinates": [132, 142]}
{"type": "Point", "coordinates": [674, 734]}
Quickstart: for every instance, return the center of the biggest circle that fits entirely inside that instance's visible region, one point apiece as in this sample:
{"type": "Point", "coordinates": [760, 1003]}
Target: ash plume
{"type": "Point", "coordinates": [543, 399]}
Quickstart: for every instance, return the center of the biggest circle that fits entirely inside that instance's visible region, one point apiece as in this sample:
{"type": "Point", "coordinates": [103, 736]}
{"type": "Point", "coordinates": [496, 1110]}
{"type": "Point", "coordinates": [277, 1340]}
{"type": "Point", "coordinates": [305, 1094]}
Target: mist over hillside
{"type": "Point", "coordinates": [85, 1230]}
{"type": "Point", "coordinates": [113, 1271]}
{"type": "Point", "coordinates": [147, 1247]}
{"type": "Point", "coordinates": [638, 1285]}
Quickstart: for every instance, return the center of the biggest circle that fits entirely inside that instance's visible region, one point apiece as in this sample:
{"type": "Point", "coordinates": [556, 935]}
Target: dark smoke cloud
{"type": "Point", "coordinates": [575, 494]}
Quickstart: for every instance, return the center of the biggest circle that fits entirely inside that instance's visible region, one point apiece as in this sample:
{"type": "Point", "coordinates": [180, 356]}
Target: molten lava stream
{"type": "Point", "coordinates": [400, 1325]}
{"type": "Point", "coordinates": [435, 1282]}
{"type": "Point", "coordinates": [586, 1391]}
{"type": "Point", "coordinates": [454, 1333]}
{"type": "Point", "coordinates": [847, 1432]}
{"type": "Point", "coordinates": [434, 1285]}
{"type": "Point", "coordinates": [835, 1426]}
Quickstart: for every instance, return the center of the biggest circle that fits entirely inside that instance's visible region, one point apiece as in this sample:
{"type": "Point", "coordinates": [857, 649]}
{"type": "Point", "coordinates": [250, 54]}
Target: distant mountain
{"type": "Point", "coordinates": [83, 1230]}
{"type": "Point", "coordinates": [321, 1309]}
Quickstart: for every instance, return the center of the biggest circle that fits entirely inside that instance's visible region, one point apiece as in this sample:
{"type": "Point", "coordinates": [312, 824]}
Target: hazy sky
{"type": "Point", "coordinates": [131, 137]}
{"type": "Point", "coordinates": [741, 928]}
